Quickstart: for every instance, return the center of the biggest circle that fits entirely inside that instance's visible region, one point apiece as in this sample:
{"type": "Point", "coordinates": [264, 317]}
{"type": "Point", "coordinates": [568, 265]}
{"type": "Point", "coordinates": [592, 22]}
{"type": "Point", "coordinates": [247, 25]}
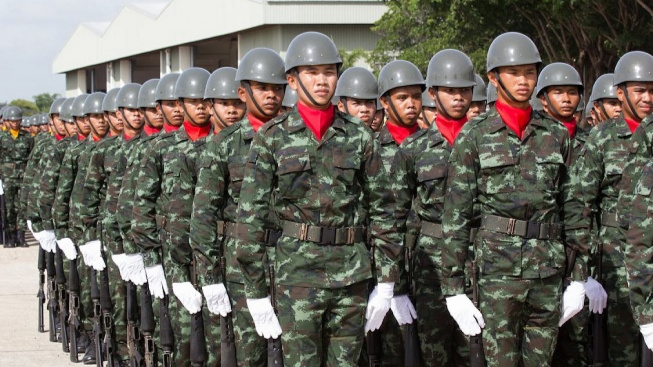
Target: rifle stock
{"type": "Point", "coordinates": [411, 339]}
{"type": "Point", "coordinates": [598, 336]}
{"type": "Point", "coordinates": [63, 301]}
{"type": "Point", "coordinates": [147, 326]}
{"type": "Point", "coordinates": [97, 315]}
{"type": "Point", "coordinates": [167, 337]}
{"type": "Point", "coordinates": [227, 339]}
{"type": "Point", "coordinates": [41, 293]}
{"type": "Point", "coordinates": [133, 332]}
{"type": "Point", "coordinates": [198, 355]}
{"type": "Point", "coordinates": [73, 292]}
{"type": "Point", "coordinates": [275, 350]}
{"type": "Point", "coordinates": [647, 355]}
{"type": "Point", "coordinates": [107, 318]}
{"type": "Point", "coordinates": [52, 297]}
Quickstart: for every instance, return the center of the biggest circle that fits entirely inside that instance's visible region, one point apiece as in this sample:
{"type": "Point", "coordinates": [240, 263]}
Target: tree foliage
{"type": "Point", "coordinates": [44, 100]}
{"type": "Point", "coordinates": [29, 108]}
{"type": "Point", "coordinates": [591, 35]}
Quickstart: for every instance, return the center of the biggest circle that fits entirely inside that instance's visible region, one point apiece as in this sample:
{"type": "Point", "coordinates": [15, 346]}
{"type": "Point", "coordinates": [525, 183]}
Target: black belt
{"type": "Point", "coordinates": [431, 229]}
{"type": "Point", "coordinates": [609, 220]}
{"type": "Point", "coordinates": [324, 235]}
{"type": "Point", "coordinates": [521, 228]}
{"type": "Point", "coordinates": [230, 229]}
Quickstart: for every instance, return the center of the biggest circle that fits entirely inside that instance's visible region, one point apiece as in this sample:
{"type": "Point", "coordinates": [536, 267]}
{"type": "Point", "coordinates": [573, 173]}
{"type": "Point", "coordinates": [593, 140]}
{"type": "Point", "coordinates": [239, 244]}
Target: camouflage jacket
{"type": "Point", "coordinates": [320, 183]}
{"type": "Point", "coordinates": [32, 175]}
{"type": "Point", "coordinates": [14, 154]}
{"type": "Point", "coordinates": [492, 172]}
{"type": "Point", "coordinates": [51, 167]}
{"type": "Point", "coordinates": [94, 189]}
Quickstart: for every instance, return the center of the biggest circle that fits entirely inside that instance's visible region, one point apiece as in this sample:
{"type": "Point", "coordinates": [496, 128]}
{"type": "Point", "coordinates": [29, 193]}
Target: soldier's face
{"type": "Point", "coordinates": [379, 118]}
{"type": "Point", "coordinates": [612, 107]}
{"type": "Point", "coordinates": [230, 110]}
{"type": "Point", "coordinates": [267, 96]}
{"type": "Point", "coordinates": [519, 80]}
{"type": "Point", "coordinates": [172, 112]}
{"type": "Point", "coordinates": [45, 128]}
{"type": "Point", "coordinates": [407, 103]}
{"type": "Point", "coordinates": [454, 101]}
{"type": "Point", "coordinates": [641, 98]}
{"type": "Point", "coordinates": [196, 111]}
{"type": "Point", "coordinates": [34, 130]}
{"type": "Point", "coordinates": [58, 124]}
{"type": "Point", "coordinates": [430, 113]}
{"type": "Point", "coordinates": [475, 109]}
{"type": "Point", "coordinates": [319, 80]}
{"type": "Point", "coordinates": [98, 124]}
{"type": "Point", "coordinates": [71, 128]}
{"type": "Point", "coordinates": [13, 124]}
{"type": "Point", "coordinates": [132, 117]}
{"type": "Point", "coordinates": [115, 122]}
{"type": "Point", "coordinates": [364, 109]}
{"type": "Point", "coordinates": [83, 126]}
{"type": "Point", "coordinates": [154, 117]}
{"type": "Point", "coordinates": [564, 101]}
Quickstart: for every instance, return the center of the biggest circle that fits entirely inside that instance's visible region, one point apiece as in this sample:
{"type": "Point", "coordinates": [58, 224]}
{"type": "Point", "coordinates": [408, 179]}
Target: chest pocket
{"type": "Point", "coordinates": [643, 187]}
{"type": "Point", "coordinates": [432, 180]}
{"type": "Point", "coordinates": [345, 168]}
{"type": "Point", "coordinates": [498, 170]}
{"type": "Point", "coordinates": [294, 176]}
{"type": "Point", "coordinates": [171, 179]}
{"type": "Point", "coordinates": [236, 176]}
{"type": "Point", "coordinates": [548, 170]}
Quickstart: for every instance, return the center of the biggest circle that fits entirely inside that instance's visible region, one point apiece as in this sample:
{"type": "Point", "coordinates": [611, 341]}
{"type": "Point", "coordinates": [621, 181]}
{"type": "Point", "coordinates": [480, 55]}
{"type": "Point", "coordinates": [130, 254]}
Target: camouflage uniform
{"type": "Point", "coordinates": [597, 184]}
{"type": "Point", "coordinates": [32, 172]}
{"type": "Point", "coordinates": [512, 185]}
{"type": "Point", "coordinates": [14, 154]}
{"type": "Point", "coordinates": [321, 289]}
{"type": "Point", "coordinates": [421, 167]}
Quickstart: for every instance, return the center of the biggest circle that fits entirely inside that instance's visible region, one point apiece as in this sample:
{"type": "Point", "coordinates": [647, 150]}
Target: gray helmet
{"type": "Point", "coordinates": [556, 74]}
{"type": "Point", "coordinates": [450, 68]}
{"type": "Point", "coordinates": [581, 106]}
{"type": "Point", "coordinates": [55, 107]}
{"type": "Point", "coordinates": [427, 101]}
{"type": "Point", "coordinates": [512, 48]}
{"type": "Point", "coordinates": [588, 109]}
{"type": "Point", "coordinates": [78, 105]}
{"type": "Point", "coordinates": [147, 94]}
{"type": "Point", "coordinates": [66, 114]}
{"type": "Point", "coordinates": [399, 73]}
{"type": "Point", "coordinates": [128, 96]}
{"type": "Point", "coordinates": [93, 103]}
{"type": "Point", "coordinates": [634, 66]}
{"type": "Point", "coordinates": [479, 94]}
{"type": "Point", "coordinates": [262, 65]}
{"type": "Point", "coordinates": [222, 84]}
{"type": "Point", "coordinates": [12, 113]}
{"type": "Point", "coordinates": [491, 93]}
{"type": "Point", "coordinates": [2, 110]}
{"type": "Point", "coordinates": [290, 98]}
{"type": "Point", "coordinates": [25, 122]}
{"type": "Point", "coordinates": [165, 90]}
{"type": "Point", "coordinates": [109, 104]}
{"type": "Point", "coordinates": [192, 83]}
{"type": "Point", "coordinates": [311, 48]}
{"type": "Point", "coordinates": [43, 119]}
{"type": "Point", "coordinates": [357, 82]}
{"type": "Point", "coordinates": [604, 87]}
{"type": "Point", "coordinates": [536, 103]}
{"type": "Point", "coordinates": [379, 106]}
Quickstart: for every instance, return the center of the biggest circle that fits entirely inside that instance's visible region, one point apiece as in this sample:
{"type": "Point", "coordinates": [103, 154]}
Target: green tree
{"type": "Point", "coordinates": [349, 58]}
{"type": "Point", "coordinates": [29, 108]}
{"type": "Point", "coordinates": [44, 100]}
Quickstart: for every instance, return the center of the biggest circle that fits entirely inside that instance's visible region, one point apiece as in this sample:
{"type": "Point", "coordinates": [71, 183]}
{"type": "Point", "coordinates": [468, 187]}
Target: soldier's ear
{"type": "Point", "coordinates": [492, 78]}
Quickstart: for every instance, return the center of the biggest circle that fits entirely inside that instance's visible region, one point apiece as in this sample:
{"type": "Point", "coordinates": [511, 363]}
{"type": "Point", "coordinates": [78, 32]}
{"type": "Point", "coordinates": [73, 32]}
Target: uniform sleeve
{"type": "Point", "coordinates": [48, 187]}
{"type": "Point", "coordinates": [61, 206]}
{"type": "Point", "coordinates": [91, 191]}
{"type": "Point", "coordinates": [144, 228]}
{"type": "Point", "coordinates": [125, 199]}
{"type": "Point", "coordinates": [109, 221]}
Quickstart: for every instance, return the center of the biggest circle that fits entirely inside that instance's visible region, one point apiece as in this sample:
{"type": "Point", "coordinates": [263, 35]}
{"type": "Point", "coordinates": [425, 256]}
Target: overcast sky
{"type": "Point", "coordinates": [32, 32]}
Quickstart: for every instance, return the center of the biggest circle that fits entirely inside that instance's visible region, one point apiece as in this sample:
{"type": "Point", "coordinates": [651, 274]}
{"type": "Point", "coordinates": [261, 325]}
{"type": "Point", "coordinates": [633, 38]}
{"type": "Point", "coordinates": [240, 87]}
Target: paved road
{"type": "Point", "coordinates": [21, 345]}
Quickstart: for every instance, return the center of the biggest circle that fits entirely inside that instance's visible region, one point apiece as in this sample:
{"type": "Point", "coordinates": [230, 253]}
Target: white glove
{"type": "Point", "coordinates": [68, 247]}
{"type": "Point", "coordinates": [2, 188]}
{"type": "Point", "coordinates": [217, 299]}
{"type": "Point", "coordinates": [573, 301]}
{"type": "Point", "coordinates": [378, 305]}
{"type": "Point", "coordinates": [29, 226]}
{"type": "Point", "coordinates": [647, 333]}
{"type": "Point", "coordinates": [596, 294]}
{"type": "Point", "coordinates": [189, 297]}
{"type": "Point", "coordinates": [92, 254]}
{"type": "Point", "coordinates": [467, 316]}
{"type": "Point", "coordinates": [403, 309]}
{"type": "Point", "coordinates": [156, 279]}
{"type": "Point", "coordinates": [46, 238]}
{"type": "Point", "coordinates": [131, 267]}
{"type": "Point", "coordinates": [119, 260]}
{"type": "Point", "coordinates": [265, 320]}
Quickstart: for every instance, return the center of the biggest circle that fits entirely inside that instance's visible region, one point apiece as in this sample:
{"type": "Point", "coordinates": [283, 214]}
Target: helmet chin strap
{"type": "Point", "coordinates": [602, 107]}
{"type": "Point", "coordinates": [344, 103]}
{"type": "Point", "coordinates": [126, 120]}
{"type": "Point", "coordinates": [308, 94]}
{"type": "Point", "coordinates": [496, 75]}
{"type": "Point", "coordinates": [394, 110]}
{"type": "Point", "coordinates": [188, 114]}
{"type": "Point", "coordinates": [630, 104]}
{"type": "Point", "coordinates": [221, 123]}
{"type": "Point", "coordinates": [250, 94]}
{"type": "Point", "coordinates": [441, 105]}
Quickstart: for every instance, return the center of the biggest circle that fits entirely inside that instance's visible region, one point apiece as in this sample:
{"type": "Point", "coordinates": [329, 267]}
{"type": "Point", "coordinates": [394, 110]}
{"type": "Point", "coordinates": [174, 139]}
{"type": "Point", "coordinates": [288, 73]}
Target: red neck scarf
{"type": "Point", "coordinates": [318, 121]}
{"type": "Point", "coordinates": [95, 140]}
{"type": "Point", "coordinates": [632, 124]}
{"type": "Point", "coordinates": [450, 128]}
{"type": "Point", "coordinates": [58, 137]}
{"type": "Point", "coordinates": [399, 133]}
{"type": "Point", "coordinates": [256, 122]}
{"type": "Point", "coordinates": [80, 137]}
{"type": "Point", "coordinates": [196, 132]}
{"type": "Point", "coordinates": [149, 130]}
{"type": "Point", "coordinates": [127, 137]}
{"type": "Point", "coordinates": [515, 118]}
{"type": "Point", "coordinates": [170, 128]}
{"type": "Point", "coordinates": [571, 127]}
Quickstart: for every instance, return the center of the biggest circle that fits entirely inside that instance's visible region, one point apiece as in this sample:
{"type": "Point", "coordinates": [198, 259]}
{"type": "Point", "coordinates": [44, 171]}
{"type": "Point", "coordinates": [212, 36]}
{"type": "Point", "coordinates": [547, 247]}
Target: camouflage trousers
{"type": "Point", "coordinates": [521, 320]}
{"type": "Point", "coordinates": [85, 301]}
{"type": "Point", "coordinates": [571, 349]}
{"type": "Point", "coordinates": [12, 205]}
{"type": "Point", "coordinates": [392, 344]}
{"type": "Point", "coordinates": [322, 327]}
{"type": "Point", "coordinates": [118, 293]}
{"type": "Point", "coordinates": [251, 349]}
{"type": "Point", "coordinates": [623, 331]}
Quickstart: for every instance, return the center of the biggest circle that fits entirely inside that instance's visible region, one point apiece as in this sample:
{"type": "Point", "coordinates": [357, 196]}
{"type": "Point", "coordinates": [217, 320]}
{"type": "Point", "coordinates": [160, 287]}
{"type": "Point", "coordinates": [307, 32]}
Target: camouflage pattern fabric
{"type": "Point", "coordinates": [251, 349]}
{"type": "Point", "coordinates": [31, 177]}
{"type": "Point", "coordinates": [493, 172]}
{"type": "Point", "coordinates": [14, 154]}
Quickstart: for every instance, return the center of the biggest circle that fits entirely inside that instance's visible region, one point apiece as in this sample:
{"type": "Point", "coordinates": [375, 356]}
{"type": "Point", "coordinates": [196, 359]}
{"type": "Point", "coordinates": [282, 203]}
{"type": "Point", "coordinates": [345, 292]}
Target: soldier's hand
{"type": "Point", "coordinates": [265, 320]}
{"type": "Point", "coordinates": [403, 309]}
{"type": "Point", "coordinates": [596, 294]}
{"type": "Point", "coordinates": [189, 297]}
{"type": "Point", "coordinates": [467, 316]}
{"type": "Point", "coordinates": [217, 299]}
{"type": "Point", "coordinates": [573, 301]}
{"type": "Point", "coordinates": [67, 246]}
{"type": "Point", "coordinates": [131, 267]}
{"type": "Point", "coordinates": [378, 305]}
{"type": "Point", "coordinates": [2, 188]}
{"type": "Point", "coordinates": [156, 279]}
{"type": "Point", "coordinates": [92, 254]}
{"type": "Point", "coordinates": [119, 260]}
{"type": "Point", "coordinates": [647, 333]}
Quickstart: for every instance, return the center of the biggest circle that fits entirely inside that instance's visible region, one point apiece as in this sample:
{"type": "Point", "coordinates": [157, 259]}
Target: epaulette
{"type": "Point", "coordinates": [275, 121]}
{"type": "Point", "coordinates": [413, 137]}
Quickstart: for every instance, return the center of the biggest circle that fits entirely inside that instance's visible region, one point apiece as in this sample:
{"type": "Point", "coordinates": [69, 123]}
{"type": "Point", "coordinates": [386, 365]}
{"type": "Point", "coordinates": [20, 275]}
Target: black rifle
{"type": "Point", "coordinates": [275, 350]}
{"type": "Point", "coordinates": [3, 218]}
{"type": "Point", "coordinates": [411, 339]}
{"type": "Point", "coordinates": [97, 318]}
{"type": "Point", "coordinates": [647, 355]}
{"type": "Point", "coordinates": [147, 326]}
{"type": "Point", "coordinates": [107, 318]}
{"type": "Point", "coordinates": [227, 339]}
{"type": "Point", "coordinates": [133, 332]}
{"type": "Point", "coordinates": [52, 297]}
{"type": "Point", "coordinates": [167, 337]}
{"type": "Point", "coordinates": [63, 301]}
{"type": "Point", "coordinates": [373, 338]}
{"type": "Point", "coordinates": [198, 355]}
{"type": "Point", "coordinates": [598, 336]}
{"type": "Point", "coordinates": [73, 318]}
{"type": "Point", "coordinates": [476, 341]}
{"type": "Point", "coordinates": [41, 293]}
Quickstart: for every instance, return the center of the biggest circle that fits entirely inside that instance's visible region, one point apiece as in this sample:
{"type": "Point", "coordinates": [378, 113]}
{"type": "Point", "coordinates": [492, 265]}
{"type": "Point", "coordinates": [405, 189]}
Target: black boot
{"type": "Point", "coordinates": [89, 356]}
{"type": "Point", "coordinates": [21, 239]}
{"type": "Point", "coordinates": [82, 342]}
{"type": "Point", "coordinates": [11, 239]}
